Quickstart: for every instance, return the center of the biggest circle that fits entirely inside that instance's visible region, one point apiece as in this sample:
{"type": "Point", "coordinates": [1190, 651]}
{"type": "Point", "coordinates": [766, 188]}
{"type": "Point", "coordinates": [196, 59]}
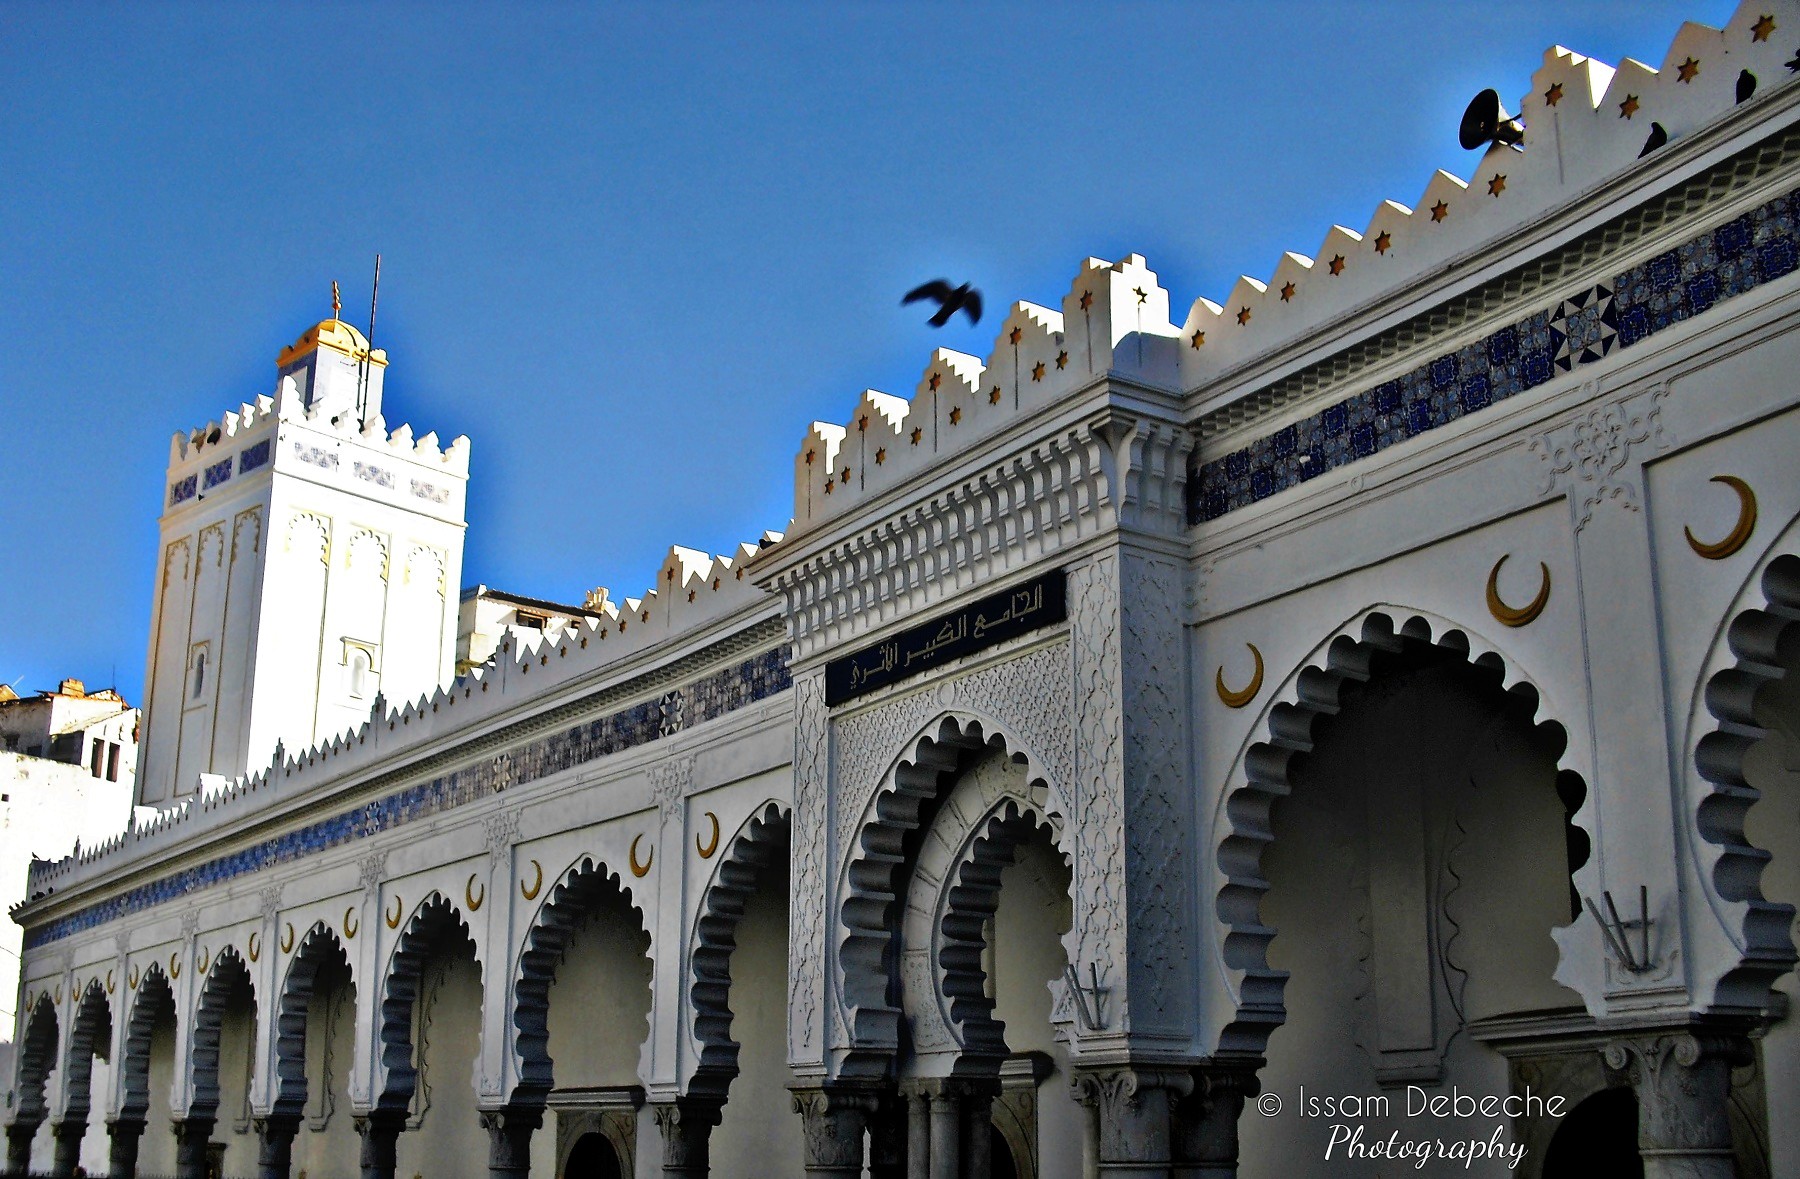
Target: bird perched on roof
{"type": "Point", "coordinates": [950, 300]}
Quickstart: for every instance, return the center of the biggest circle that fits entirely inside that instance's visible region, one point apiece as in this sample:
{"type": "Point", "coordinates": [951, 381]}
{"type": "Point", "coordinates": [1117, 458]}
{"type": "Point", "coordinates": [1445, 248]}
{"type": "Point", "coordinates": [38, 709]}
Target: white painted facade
{"type": "Point", "coordinates": [1354, 651]}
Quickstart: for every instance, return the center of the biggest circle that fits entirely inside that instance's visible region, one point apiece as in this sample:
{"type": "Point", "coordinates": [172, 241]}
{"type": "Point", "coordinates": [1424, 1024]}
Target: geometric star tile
{"type": "Point", "coordinates": [1584, 327]}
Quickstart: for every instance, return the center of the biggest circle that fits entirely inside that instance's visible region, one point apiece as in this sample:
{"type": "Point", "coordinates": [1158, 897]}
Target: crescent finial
{"type": "Point", "coordinates": [1740, 532]}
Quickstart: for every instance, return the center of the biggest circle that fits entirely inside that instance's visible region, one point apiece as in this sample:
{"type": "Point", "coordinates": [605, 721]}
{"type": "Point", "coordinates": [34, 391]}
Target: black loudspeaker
{"type": "Point", "coordinates": [1487, 123]}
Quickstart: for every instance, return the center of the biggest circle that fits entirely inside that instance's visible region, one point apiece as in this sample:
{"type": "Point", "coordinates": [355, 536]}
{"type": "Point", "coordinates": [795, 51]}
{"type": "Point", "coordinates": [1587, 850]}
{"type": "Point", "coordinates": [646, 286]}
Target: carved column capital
{"type": "Point", "coordinates": [1204, 1127]}
{"type": "Point", "coordinates": [379, 1129]}
{"type": "Point", "coordinates": [1134, 1104]}
{"type": "Point", "coordinates": [68, 1134]}
{"type": "Point", "coordinates": [1683, 1085]}
{"type": "Point", "coordinates": [509, 1140]}
{"type": "Point", "coordinates": [687, 1124]}
{"type": "Point", "coordinates": [832, 1125]}
{"type": "Point", "coordinates": [274, 1145]}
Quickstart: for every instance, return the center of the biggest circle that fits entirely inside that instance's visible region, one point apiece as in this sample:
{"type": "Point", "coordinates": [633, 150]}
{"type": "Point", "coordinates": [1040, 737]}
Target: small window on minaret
{"type": "Point", "coordinates": [359, 672]}
{"type": "Point", "coordinates": [199, 674]}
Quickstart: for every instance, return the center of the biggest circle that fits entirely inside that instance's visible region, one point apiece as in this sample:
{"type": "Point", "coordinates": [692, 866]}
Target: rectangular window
{"type": "Point", "coordinates": [99, 752]}
{"type": "Point", "coordinates": [531, 621]}
{"type": "Point", "coordinates": [112, 761]}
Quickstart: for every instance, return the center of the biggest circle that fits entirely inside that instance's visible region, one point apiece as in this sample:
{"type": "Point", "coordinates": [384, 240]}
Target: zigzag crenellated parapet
{"type": "Point", "coordinates": [1585, 123]}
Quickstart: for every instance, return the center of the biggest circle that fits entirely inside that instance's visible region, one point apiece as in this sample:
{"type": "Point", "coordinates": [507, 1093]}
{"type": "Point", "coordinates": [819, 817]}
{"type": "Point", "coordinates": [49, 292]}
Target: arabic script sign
{"type": "Point", "coordinates": [976, 627]}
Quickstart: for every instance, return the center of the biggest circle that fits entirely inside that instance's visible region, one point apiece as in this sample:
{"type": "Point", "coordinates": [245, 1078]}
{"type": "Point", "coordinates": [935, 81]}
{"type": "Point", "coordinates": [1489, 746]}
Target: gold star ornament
{"type": "Point", "coordinates": [955, 414]}
{"type": "Point", "coordinates": [1383, 242]}
{"type": "Point", "coordinates": [994, 395]}
{"type": "Point", "coordinates": [1629, 107]}
{"type": "Point", "coordinates": [1197, 339]}
{"type": "Point", "coordinates": [1243, 316]}
{"type": "Point", "coordinates": [1087, 300]}
{"type": "Point", "coordinates": [1287, 292]}
{"type": "Point", "coordinates": [936, 380]}
{"type": "Point", "coordinates": [1688, 70]}
{"type": "Point", "coordinates": [1016, 335]}
{"type": "Point", "coordinates": [1497, 184]}
{"type": "Point", "coordinates": [1440, 211]}
{"type": "Point", "coordinates": [1037, 371]}
{"type": "Point", "coordinates": [1336, 265]}
{"type": "Point", "coordinates": [918, 433]}
{"type": "Point", "coordinates": [1553, 95]}
{"type": "Point", "coordinates": [1761, 29]}
{"type": "Point", "coordinates": [1062, 360]}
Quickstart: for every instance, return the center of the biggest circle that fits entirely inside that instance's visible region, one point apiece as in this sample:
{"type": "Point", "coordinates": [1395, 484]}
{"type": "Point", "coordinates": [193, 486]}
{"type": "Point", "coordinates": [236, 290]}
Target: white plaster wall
{"type": "Point", "coordinates": [1773, 824]}
{"type": "Point", "coordinates": [237, 1049]}
{"type": "Point", "coordinates": [1340, 850]}
{"type": "Point", "coordinates": [1033, 914]}
{"type": "Point", "coordinates": [45, 806]}
{"type": "Point", "coordinates": [327, 1142]}
{"type": "Point", "coordinates": [600, 1004]}
{"type": "Point", "coordinates": [156, 1149]}
{"type": "Point", "coordinates": [759, 1134]}
{"type": "Point", "coordinates": [449, 1137]}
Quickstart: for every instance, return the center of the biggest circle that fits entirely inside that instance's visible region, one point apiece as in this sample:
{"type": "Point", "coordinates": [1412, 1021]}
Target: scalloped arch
{"type": "Point", "coordinates": [435, 923]}
{"type": "Point", "coordinates": [225, 972]}
{"type": "Point", "coordinates": [89, 1031]}
{"type": "Point", "coordinates": [154, 996]}
{"type": "Point", "coordinates": [37, 1056]}
{"type": "Point", "coordinates": [563, 908]}
{"type": "Point", "coordinates": [1759, 928]}
{"type": "Point", "coordinates": [753, 849]}
{"type": "Point", "coordinates": [319, 948]}
{"type": "Point", "coordinates": [1297, 714]}
{"type": "Point", "coordinates": [871, 874]}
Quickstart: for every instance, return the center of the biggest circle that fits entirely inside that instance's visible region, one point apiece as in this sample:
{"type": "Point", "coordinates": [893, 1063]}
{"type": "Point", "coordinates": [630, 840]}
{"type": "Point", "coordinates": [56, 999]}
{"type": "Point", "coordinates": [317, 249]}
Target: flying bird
{"type": "Point", "coordinates": [950, 300]}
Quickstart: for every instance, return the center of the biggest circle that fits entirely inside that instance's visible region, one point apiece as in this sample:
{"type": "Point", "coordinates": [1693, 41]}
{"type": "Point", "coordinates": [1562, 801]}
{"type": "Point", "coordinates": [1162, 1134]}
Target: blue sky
{"type": "Point", "coordinates": [632, 251]}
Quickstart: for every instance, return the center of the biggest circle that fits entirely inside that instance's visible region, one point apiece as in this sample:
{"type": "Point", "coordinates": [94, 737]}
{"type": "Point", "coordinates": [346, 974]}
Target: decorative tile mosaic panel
{"type": "Point", "coordinates": [182, 490]}
{"type": "Point", "coordinates": [215, 475]}
{"type": "Point", "coordinates": [316, 456]}
{"type": "Point", "coordinates": [1758, 247]}
{"type": "Point", "coordinates": [432, 492]}
{"type": "Point", "coordinates": [702, 700]}
{"type": "Point", "coordinates": [370, 473]}
{"type": "Point", "coordinates": [254, 457]}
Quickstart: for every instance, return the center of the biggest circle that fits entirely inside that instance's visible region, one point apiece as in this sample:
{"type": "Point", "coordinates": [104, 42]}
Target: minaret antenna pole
{"type": "Point", "coordinates": [362, 393]}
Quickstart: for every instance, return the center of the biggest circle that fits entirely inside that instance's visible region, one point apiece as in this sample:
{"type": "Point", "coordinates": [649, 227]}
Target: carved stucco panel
{"type": "Point", "coordinates": [1028, 695]}
{"type": "Point", "coordinates": [806, 939]}
{"type": "Point", "coordinates": [1099, 871]}
{"type": "Point", "coordinates": [1159, 863]}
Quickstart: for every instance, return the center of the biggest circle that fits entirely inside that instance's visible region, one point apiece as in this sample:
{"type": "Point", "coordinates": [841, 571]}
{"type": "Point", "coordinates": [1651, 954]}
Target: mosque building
{"type": "Point", "coordinates": [1345, 730]}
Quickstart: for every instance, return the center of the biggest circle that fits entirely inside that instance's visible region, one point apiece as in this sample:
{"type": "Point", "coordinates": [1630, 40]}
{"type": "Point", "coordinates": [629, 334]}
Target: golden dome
{"type": "Point", "coordinates": [334, 334]}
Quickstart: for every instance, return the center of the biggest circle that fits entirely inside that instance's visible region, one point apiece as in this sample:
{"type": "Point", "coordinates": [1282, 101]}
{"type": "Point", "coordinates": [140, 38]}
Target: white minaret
{"type": "Point", "coordinates": [310, 559]}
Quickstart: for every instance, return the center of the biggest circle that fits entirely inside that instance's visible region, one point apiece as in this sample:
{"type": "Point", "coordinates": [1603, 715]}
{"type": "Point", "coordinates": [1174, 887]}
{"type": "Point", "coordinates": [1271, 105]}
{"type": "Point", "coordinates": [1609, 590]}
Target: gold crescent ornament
{"type": "Point", "coordinates": [393, 919]}
{"type": "Point", "coordinates": [1233, 699]}
{"type": "Point", "coordinates": [175, 965]}
{"type": "Point", "coordinates": [640, 870]}
{"type": "Point", "coordinates": [255, 947]}
{"type": "Point", "coordinates": [131, 979]}
{"type": "Point", "coordinates": [58, 999]}
{"type": "Point", "coordinates": [707, 849]}
{"type": "Point", "coordinates": [470, 895]}
{"type": "Point", "coordinates": [1522, 616]}
{"type": "Point", "coordinates": [111, 982]}
{"type": "Point", "coordinates": [351, 931]}
{"type": "Point", "coordinates": [287, 939]}
{"type": "Point", "coordinates": [1740, 532]}
{"type": "Point", "coordinates": [205, 959]}
{"type": "Point", "coordinates": [529, 892]}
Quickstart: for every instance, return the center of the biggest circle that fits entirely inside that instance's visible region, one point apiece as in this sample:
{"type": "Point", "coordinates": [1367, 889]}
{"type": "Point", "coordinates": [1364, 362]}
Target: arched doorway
{"type": "Point", "coordinates": [1418, 862]}
{"type": "Point", "coordinates": [593, 1157]}
{"type": "Point", "coordinates": [1597, 1138]}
